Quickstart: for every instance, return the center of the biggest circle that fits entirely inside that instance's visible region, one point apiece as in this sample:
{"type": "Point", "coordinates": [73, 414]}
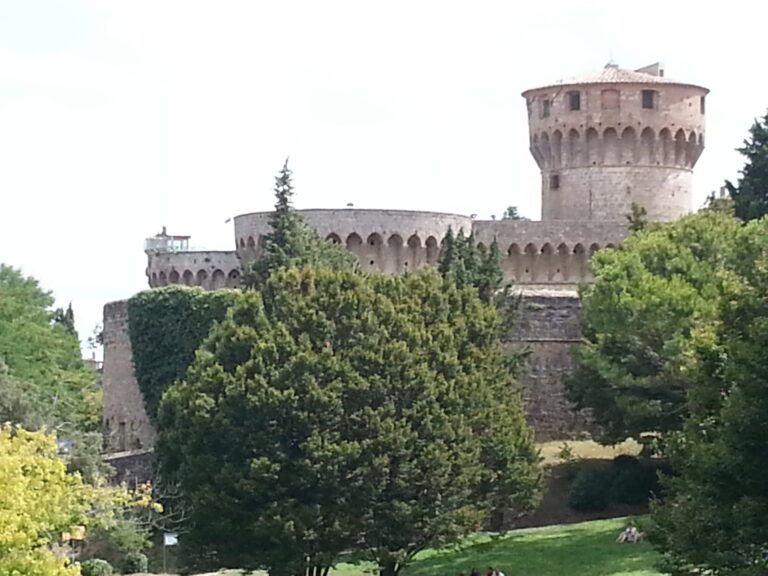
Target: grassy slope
{"type": "Point", "coordinates": [586, 549]}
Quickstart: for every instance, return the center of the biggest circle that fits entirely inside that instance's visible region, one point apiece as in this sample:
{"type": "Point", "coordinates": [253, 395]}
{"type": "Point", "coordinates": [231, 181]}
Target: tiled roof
{"type": "Point", "coordinates": [612, 74]}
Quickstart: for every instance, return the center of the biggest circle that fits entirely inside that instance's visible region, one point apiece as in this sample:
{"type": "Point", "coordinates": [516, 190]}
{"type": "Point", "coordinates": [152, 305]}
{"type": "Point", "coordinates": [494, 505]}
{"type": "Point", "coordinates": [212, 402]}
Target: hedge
{"type": "Point", "coordinates": [166, 327]}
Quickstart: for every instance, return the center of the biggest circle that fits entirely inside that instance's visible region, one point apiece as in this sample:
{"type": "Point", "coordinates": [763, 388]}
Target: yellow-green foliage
{"type": "Point", "coordinates": [38, 501]}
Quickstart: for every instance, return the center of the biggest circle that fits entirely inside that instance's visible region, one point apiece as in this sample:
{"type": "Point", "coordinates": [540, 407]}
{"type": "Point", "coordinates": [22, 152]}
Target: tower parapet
{"type": "Point", "coordinates": [613, 138]}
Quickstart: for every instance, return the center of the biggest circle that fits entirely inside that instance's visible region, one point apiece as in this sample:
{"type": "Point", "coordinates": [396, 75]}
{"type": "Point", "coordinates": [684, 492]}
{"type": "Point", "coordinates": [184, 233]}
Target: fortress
{"type": "Point", "coordinates": [603, 142]}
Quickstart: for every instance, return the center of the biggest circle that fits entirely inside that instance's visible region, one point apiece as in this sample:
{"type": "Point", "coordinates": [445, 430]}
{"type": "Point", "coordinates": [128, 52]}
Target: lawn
{"type": "Point", "coordinates": [586, 549]}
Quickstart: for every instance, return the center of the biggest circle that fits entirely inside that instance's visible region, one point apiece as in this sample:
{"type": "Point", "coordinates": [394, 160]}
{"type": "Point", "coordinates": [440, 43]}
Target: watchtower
{"type": "Point", "coordinates": [613, 138]}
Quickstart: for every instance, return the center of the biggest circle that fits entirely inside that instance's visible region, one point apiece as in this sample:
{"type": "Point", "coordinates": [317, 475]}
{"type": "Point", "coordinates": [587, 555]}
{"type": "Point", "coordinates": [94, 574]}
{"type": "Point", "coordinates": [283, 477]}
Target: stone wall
{"type": "Point", "coordinates": [209, 269]}
{"type": "Point", "coordinates": [548, 328]}
{"type": "Point", "coordinates": [126, 424]}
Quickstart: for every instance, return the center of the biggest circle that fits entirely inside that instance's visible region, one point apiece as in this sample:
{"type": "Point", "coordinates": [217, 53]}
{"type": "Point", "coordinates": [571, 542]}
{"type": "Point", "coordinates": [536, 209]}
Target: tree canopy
{"type": "Point", "coordinates": [371, 413]}
{"type": "Point", "coordinates": [467, 263]}
{"type": "Point", "coordinates": [290, 242]}
{"type": "Point", "coordinates": [652, 302]}
{"type": "Point", "coordinates": [44, 366]}
{"type": "Point", "coordinates": [713, 518]}
{"type": "Point", "coordinates": [750, 193]}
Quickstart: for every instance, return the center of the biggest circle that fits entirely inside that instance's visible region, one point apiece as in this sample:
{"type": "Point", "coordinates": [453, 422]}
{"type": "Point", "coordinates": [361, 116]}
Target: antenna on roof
{"type": "Point", "coordinates": [611, 62]}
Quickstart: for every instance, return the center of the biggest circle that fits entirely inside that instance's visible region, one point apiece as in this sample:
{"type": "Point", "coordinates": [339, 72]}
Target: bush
{"type": "Point", "coordinates": [135, 562]}
{"type": "Point", "coordinates": [96, 567]}
{"type": "Point", "coordinates": [590, 490]}
{"type": "Point", "coordinates": [632, 481]}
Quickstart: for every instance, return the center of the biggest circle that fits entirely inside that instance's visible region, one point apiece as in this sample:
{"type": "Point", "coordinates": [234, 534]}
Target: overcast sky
{"type": "Point", "coordinates": [118, 117]}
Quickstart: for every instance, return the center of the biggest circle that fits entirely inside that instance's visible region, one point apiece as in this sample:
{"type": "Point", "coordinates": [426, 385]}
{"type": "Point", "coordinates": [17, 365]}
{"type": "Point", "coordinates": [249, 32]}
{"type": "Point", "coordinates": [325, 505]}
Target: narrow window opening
{"type": "Point", "coordinates": [702, 105]}
{"type": "Point", "coordinates": [649, 99]}
{"type": "Point", "coordinates": [554, 182]}
{"type": "Point", "coordinates": [574, 101]}
{"type": "Point", "coordinates": [546, 104]}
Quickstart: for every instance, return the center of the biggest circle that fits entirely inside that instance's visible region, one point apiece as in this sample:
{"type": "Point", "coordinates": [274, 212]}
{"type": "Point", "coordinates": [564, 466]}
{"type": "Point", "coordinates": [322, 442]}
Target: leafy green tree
{"type": "Point", "coordinates": [713, 518]}
{"type": "Point", "coordinates": [511, 213]}
{"type": "Point", "coordinates": [637, 218]}
{"type": "Point", "coordinates": [290, 242]}
{"type": "Point", "coordinates": [468, 263]}
{"type": "Point", "coordinates": [646, 311]}
{"type": "Point", "coordinates": [750, 193]}
{"type": "Point", "coordinates": [372, 413]}
{"type": "Point", "coordinates": [66, 318]}
{"type": "Point", "coordinates": [44, 355]}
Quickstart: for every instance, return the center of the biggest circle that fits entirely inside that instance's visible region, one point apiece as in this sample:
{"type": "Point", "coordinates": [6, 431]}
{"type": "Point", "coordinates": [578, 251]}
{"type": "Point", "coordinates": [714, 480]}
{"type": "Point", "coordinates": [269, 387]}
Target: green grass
{"type": "Point", "coordinates": [585, 549]}
{"type": "Point", "coordinates": [586, 449]}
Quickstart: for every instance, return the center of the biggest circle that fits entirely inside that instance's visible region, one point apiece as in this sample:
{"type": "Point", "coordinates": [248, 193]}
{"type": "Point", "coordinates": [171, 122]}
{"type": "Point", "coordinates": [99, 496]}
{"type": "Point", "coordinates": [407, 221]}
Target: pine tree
{"type": "Point", "coordinates": [290, 242]}
{"type": "Point", "coordinates": [468, 263]}
{"type": "Point", "coordinates": [750, 194]}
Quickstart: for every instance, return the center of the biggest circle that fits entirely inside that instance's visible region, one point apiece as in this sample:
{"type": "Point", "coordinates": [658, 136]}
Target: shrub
{"type": "Point", "coordinates": [632, 481]}
{"type": "Point", "coordinates": [135, 562]}
{"type": "Point", "coordinates": [96, 567]}
{"type": "Point", "coordinates": [590, 490]}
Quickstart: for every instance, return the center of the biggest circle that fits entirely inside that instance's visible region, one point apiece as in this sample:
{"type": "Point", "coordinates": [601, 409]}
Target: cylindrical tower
{"type": "Point", "coordinates": [614, 138]}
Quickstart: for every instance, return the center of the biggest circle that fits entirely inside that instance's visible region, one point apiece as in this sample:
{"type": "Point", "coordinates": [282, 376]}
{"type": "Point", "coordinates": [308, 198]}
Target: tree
{"type": "Point", "coordinates": [468, 263]}
{"type": "Point", "coordinates": [712, 520]}
{"type": "Point", "coordinates": [637, 218]}
{"type": "Point", "coordinates": [40, 500]}
{"type": "Point", "coordinates": [66, 319]}
{"type": "Point", "coordinates": [646, 311]}
{"type": "Point", "coordinates": [750, 193]}
{"type": "Point", "coordinates": [290, 242]}
{"type": "Point", "coordinates": [372, 413]}
{"type": "Point", "coordinates": [511, 213]}
{"type": "Point", "coordinates": [45, 355]}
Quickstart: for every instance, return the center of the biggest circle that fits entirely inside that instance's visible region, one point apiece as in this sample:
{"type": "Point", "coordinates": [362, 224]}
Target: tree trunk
{"type": "Point", "coordinates": [389, 568]}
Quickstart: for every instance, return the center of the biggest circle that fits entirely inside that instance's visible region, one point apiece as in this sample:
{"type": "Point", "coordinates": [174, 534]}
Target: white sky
{"type": "Point", "coordinates": [117, 117]}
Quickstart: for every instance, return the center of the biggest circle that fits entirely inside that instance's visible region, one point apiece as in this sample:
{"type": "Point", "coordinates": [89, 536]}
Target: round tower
{"type": "Point", "coordinates": [614, 138]}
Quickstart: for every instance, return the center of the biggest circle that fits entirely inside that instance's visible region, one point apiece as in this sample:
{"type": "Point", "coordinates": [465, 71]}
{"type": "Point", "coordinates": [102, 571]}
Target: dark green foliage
{"type": "Point", "coordinates": [632, 481]}
{"type": "Point", "coordinates": [370, 413]}
{"type": "Point", "coordinates": [713, 519]}
{"type": "Point", "coordinates": [652, 304]}
{"type": "Point", "coordinates": [590, 490]}
{"type": "Point", "coordinates": [166, 326]}
{"type": "Point", "coordinates": [66, 319]}
{"type": "Point", "coordinates": [96, 567]}
{"type": "Point", "coordinates": [134, 562]}
{"type": "Point", "coordinates": [511, 213]}
{"type": "Point", "coordinates": [49, 381]}
{"type": "Point", "coordinates": [468, 263]}
{"type": "Point", "coordinates": [750, 193]}
{"type": "Point", "coordinates": [637, 218]}
{"type": "Point", "coordinates": [291, 243]}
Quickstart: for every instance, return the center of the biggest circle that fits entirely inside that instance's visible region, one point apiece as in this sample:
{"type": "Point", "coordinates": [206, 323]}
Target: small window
{"type": "Point", "coordinates": [574, 101]}
{"type": "Point", "coordinates": [649, 99]}
{"type": "Point", "coordinates": [554, 182]}
{"type": "Point", "coordinates": [545, 108]}
{"type": "Point", "coordinates": [702, 105]}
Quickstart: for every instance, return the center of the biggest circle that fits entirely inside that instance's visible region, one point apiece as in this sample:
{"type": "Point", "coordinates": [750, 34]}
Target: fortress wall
{"type": "Point", "coordinates": [211, 269]}
{"type": "Point", "coordinates": [389, 241]}
{"type": "Point", "coordinates": [548, 328]}
{"type": "Point", "coordinates": [552, 253]}
{"type": "Point", "coordinates": [126, 422]}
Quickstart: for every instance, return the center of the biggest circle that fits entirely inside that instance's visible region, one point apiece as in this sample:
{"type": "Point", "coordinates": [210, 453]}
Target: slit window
{"type": "Point", "coordinates": [554, 182]}
{"type": "Point", "coordinates": [702, 105]}
{"type": "Point", "coordinates": [574, 101]}
{"type": "Point", "coordinates": [649, 99]}
{"type": "Point", "coordinates": [546, 105]}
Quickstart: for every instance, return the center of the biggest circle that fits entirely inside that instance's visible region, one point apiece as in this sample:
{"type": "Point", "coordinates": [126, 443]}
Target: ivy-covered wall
{"type": "Point", "coordinates": [166, 326]}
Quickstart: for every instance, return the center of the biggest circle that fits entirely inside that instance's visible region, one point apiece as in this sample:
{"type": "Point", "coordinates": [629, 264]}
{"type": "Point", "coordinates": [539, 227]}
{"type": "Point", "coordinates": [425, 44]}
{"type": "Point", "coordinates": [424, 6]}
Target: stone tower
{"type": "Point", "coordinates": [613, 138]}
